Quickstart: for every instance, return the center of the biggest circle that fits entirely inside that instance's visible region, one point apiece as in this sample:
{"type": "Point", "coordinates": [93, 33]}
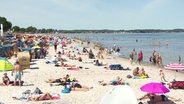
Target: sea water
{"type": "Point", "coordinates": [168, 45]}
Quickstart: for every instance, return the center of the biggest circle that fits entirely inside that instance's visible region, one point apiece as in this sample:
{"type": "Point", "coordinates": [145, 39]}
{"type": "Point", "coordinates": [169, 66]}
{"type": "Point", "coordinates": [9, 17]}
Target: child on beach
{"type": "Point", "coordinates": [162, 76]}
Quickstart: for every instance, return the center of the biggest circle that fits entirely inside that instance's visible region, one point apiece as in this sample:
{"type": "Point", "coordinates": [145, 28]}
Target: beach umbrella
{"type": "Point", "coordinates": [174, 66]}
{"type": "Point", "coordinates": [154, 88]}
{"type": "Point", "coordinates": [34, 47]}
{"type": "Point", "coordinates": [5, 65]}
{"type": "Point", "coordinates": [121, 94]}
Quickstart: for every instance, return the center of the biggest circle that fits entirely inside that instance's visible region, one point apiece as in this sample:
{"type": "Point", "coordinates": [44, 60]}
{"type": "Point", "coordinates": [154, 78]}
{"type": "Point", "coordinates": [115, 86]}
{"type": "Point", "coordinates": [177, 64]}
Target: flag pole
{"type": "Point", "coordinates": [2, 30]}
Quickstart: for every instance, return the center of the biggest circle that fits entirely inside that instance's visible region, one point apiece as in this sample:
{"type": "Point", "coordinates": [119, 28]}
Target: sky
{"type": "Point", "coordinates": [94, 14]}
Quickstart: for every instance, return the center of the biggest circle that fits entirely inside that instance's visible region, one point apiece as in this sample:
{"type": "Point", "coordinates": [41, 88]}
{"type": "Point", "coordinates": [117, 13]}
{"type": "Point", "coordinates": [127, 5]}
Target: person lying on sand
{"type": "Point", "coordinates": [78, 87]}
{"type": "Point", "coordinates": [117, 81]}
{"type": "Point", "coordinates": [97, 63]}
{"type": "Point", "coordinates": [76, 58]}
{"type": "Point", "coordinates": [153, 98]}
{"type": "Point", "coordinates": [59, 80]}
{"type": "Point", "coordinates": [64, 65]}
{"type": "Point", "coordinates": [59, 58]}
{"type": "Point", "coordinates": [36, 95]}
{"type": "Point", "coordinates": [62, 81]}
{"type": "Point", "coordinates": [40, 97]}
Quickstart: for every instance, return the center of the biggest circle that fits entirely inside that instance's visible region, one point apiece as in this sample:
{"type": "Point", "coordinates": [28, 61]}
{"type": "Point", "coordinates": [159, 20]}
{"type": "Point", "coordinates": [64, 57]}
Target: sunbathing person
{"type": "Point", "coordinates": [6, 80]}
{"type": "Point", "coordinates": [78, 87]}
{"type": "Point", "coordinates": [64, 65]}
{"type": "Point", "coordinates": [40, 97]}
{"type": "Point", "coordinates": [76, 58]}
{"type": "Point", "coordinates": [154, 99]}
{"type": "Point", "coordinates": [59, 58]}
{"type": "Point", "coordinates": [117, 81]}
{"type": "Point", "coordinates": [97, 63]}
{"type": "Point", "coordinates": [142, 73]}
{"type": "Point", "coordinates": [59, 80]}
{"type": "Point", "coordinates": [63, 80]}
{"type": "Point", "coordinates": [136, 72]}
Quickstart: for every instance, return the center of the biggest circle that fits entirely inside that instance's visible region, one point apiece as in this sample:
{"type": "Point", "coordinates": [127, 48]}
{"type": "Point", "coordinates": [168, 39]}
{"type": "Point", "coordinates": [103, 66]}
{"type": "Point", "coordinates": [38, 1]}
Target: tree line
{"type": "Point", "coordinates": [7, 26]}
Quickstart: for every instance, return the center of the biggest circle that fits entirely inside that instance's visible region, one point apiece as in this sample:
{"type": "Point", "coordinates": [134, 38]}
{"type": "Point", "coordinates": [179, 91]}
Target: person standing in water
{"type": "Point", "coordinates": [179, 59]}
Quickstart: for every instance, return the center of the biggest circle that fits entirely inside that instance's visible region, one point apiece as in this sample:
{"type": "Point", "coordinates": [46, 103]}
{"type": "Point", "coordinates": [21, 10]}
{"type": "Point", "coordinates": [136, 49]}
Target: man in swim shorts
{"type": "Point", "coordinates": [16, 72]}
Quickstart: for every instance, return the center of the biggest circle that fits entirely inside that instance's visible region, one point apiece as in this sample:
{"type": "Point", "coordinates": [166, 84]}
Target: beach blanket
{"type": "Point", "coordinates": [115, 67]}
{"type": "Point", "coordinates": [177, 84]}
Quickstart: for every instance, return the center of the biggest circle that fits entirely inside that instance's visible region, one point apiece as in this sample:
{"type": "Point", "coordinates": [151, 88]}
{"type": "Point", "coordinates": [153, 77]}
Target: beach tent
{"type": "Point", "coordinates": [121, 94]}
{"type": "Point", "coordinates": [5, 65]}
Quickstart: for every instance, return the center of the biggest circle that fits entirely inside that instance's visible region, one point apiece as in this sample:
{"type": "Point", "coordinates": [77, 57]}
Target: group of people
{"type": "Point", "coordinates": [17, 73]}
{"type": "Point", "coordinates": [156, 59]}
{"type": "Point", "coordinates": [133, 57]}
{"type": "Point", "coordinates": [139, 73]}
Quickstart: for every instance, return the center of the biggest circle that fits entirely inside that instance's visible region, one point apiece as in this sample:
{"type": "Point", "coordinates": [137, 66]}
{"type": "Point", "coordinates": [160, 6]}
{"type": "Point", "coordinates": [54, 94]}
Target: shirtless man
{"type": "Point", "coordinates": [16, 72]}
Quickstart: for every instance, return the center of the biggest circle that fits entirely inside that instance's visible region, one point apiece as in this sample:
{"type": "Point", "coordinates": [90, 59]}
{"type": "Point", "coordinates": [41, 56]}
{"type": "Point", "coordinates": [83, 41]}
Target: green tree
{"type": "Point", "coordinates": [6, 24]}
{"type": "Point", "coordinates": [31, 29]}
{"type": "Point", "coordinates": [22, 30]}
{"type": "Point", "coordinates": [16, 28]}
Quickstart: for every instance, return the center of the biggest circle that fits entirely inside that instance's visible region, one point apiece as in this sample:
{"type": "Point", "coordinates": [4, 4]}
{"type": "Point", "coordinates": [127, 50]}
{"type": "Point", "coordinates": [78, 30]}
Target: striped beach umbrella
{"type": "Point", "coordinates": [175, 66]}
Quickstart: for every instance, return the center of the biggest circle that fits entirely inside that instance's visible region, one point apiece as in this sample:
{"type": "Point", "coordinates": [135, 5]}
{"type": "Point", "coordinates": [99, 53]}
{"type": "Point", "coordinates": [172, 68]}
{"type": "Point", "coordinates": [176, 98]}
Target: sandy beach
{"type": "Point", "coordinates": [88, 75]}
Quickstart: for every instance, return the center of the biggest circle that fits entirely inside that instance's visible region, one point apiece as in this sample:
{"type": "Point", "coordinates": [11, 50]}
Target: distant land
{"type": "Point", "coordinates": [124, 31]}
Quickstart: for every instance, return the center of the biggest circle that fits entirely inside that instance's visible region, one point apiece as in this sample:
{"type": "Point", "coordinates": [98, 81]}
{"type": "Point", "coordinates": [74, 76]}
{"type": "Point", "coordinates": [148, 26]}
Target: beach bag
{"type": "Point", "coordinates": [67, 90]}
{"type": "Point", "coordinates": [129, 76]}
{"type": "Point", "coordinates": [37, 91]}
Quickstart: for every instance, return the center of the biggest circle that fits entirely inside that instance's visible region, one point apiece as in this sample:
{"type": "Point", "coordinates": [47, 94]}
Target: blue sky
{"type": "Point", "coordinates": [95, 14]}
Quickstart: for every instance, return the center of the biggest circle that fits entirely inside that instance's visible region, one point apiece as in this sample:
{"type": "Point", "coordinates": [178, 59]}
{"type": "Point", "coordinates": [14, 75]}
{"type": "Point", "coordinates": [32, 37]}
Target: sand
{"type": "Point", "coordinates": [89, 75]}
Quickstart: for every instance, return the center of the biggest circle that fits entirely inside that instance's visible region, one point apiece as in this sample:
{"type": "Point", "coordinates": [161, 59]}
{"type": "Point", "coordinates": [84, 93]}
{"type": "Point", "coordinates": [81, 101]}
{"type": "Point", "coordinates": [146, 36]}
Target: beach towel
{"type": "Point", "coordinates": [73, 68]}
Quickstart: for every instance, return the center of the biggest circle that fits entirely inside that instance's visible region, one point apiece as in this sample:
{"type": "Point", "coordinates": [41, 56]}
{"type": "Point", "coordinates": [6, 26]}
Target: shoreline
{"type": "Point", "coordinates": [97, 47]}
{"type": "Point", "coordinates": [166, 48]}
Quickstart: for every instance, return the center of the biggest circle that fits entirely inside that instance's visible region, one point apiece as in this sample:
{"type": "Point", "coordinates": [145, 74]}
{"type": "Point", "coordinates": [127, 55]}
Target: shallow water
{"type": "Point", "coordinates": [168, 45]}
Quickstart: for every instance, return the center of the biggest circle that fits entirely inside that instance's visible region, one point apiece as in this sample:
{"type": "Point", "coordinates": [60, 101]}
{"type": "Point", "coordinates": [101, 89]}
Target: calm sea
{"type": "Point", "coordinates": [168, 45]}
